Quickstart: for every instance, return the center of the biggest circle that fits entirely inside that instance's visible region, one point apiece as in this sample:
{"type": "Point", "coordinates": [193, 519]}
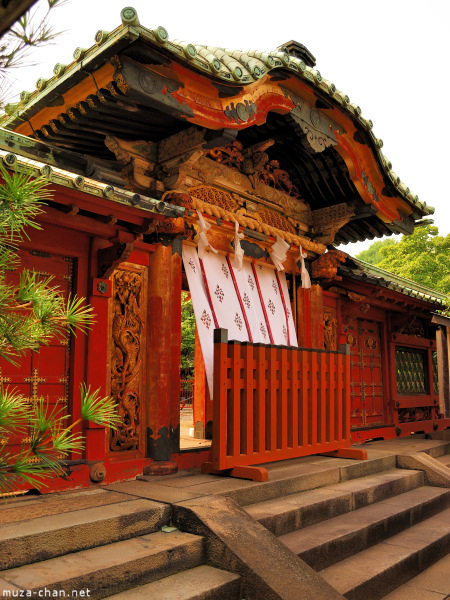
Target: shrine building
{"type": "Point", "coordinates": [237, 177]}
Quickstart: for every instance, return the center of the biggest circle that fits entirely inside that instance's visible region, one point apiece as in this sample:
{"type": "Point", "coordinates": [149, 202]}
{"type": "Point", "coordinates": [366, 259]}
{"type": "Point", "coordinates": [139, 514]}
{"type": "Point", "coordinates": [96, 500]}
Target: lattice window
{"type": "Point", "coordinates": [411, 373]}
{"type": "Point", "coordinates": [435, 372]}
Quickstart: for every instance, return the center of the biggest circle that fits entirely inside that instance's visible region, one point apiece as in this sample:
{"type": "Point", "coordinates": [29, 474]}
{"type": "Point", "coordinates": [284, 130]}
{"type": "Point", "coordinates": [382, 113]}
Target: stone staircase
{"type": "Point", "coordinates": [365, 536]}
{"type": "Point", "coordinates": [98, 544]}
{"type": "Point", "coordinates": [321, 528]}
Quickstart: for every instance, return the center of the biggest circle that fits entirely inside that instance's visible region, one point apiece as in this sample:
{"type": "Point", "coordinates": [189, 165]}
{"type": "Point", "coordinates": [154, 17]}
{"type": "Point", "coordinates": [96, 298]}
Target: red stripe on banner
{"type": "Point", "coordinates": [240, 300]}
{"type": "Point", "coordinates": [262, 304]}
{"type": "Point", "coordinates": [284, 306]}
{"type": "Point", "coordinates": [208, 295]}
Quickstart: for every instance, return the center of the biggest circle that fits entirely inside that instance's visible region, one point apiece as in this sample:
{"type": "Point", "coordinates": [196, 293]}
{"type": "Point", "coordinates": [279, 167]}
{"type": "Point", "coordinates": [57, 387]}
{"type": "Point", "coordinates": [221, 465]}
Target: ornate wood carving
{"type": "Point", "coordinates": [109, 258]}
{"type": "Point", "coordinates": [128, 301]}
{"type": "Point", "coordinates": [214, 196]}
{"type": "Point", "coordinates": [330, 330]}
{"type": "Point", "coordinates": [326, 266]}
{"type": "Point", "coordinates": [418, 413]}
{"type": "Point", "coordinates": [328, 221]}
{"type": "Point", "coordinates": [318, 129]}
{"type": "Point", "coordinates": [274, 219]}
{"type": "Point", "coordinates": [408, 325]}
{"type": "Point", "coordinates": [139, 160]}
{"type": "Point", "coordinates": [255, 163]}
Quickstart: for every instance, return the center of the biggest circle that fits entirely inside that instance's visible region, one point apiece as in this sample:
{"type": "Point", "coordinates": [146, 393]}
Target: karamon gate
{"type": "Point", "coordinates": [233, 176]}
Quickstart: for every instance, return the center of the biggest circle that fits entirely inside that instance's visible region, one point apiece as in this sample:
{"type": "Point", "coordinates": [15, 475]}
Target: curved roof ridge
{"type": "Point", "coordinates": [230, 66]}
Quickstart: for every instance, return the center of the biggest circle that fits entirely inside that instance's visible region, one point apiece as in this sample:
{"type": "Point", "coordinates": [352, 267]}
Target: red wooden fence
{"type": "Point", "coordinates": [276, 402]}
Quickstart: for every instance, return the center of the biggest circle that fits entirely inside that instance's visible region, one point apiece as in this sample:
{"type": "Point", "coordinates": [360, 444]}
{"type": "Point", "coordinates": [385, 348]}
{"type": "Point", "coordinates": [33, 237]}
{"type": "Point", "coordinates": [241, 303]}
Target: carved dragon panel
{"type": "Point", "coordinates": [128, 303]}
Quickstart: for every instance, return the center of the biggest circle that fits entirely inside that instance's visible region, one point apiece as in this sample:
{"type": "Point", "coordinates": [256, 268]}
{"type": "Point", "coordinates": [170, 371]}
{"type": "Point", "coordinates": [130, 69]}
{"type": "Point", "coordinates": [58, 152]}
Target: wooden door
{"type": "Point", "coordinates": [43, 373]}
{"type": "Point", "coordinates": [366, 374]}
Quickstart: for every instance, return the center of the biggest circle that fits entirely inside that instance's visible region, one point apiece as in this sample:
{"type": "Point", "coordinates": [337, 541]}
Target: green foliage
{"type": "Point", "coordinates": [423, 257]}
{"type": "Point", "coordinates": [28, 33]}
{"type": "Point", "coordinates": [187, 336]}
{"type": "Point", "coordinates": [373, 254]}
{"type": "Point", "coordinates": [31, 314]}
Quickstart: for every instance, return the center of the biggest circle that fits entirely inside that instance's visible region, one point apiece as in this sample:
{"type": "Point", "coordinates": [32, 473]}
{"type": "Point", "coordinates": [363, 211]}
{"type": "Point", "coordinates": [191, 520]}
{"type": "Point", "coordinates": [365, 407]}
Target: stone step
{"type": "Point", "coordinates": [41, 538]}
{"type": "Point", "coordinates": [378, 570]}
{"type": "Point", "coordinates": [445, 460]}
{"type": "Point", "coordinates": [325, 543]}
{"type": "Point", "coordinates": [201, 583]}
{"type": "Point", "coordinates": [431, 584]}
{"type": "Point", "coordinates": [110, 569]}
{"type": "Point", "coordinates": [25, 508]}
{"type": "Point", "coordinates": [299, 475]}
{"type": "Point", "coordinates": [283, 515]}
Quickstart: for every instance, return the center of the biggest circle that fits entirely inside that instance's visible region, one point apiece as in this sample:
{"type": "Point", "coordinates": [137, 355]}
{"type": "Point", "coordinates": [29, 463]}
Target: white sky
{"type": "Point", "coordinates": [390, 56]}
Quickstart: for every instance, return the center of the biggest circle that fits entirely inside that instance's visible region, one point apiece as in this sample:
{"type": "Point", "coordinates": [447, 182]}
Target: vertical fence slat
{"type": "Point", "coordinates": [284, 398]}
{"type": "Point", "coordinates": [339, 416]}
{"type": "Point", "coordinates": [294, 400]}
{"type": "Point", "coordinates": [346, 398]}
{"type": "Point", "coordinates": [306, 386]}
{"type": "Point", "coordinates": [272, 417]}
{"type": "Point", "coordinates": [261, 398]}
{"type": "Point", "coordinates": [219, 448]}
{"type": "Point", "coordinates": [331, 398]}
{"type": "Point", "coordinates": [249, 386]}
{"type": "Point", "coordinates": [323, 388]}
{"type": "Point", "coordinates": [235, 404]}
{"type": "Point", "coordinates": [314, 399]}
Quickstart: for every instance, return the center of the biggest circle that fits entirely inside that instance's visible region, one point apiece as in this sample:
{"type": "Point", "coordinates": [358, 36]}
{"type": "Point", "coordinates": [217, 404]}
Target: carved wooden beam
{"type": "Point", "coordinates": [328, 221]}
{"type": "Point", "coordinates": [108, 259]}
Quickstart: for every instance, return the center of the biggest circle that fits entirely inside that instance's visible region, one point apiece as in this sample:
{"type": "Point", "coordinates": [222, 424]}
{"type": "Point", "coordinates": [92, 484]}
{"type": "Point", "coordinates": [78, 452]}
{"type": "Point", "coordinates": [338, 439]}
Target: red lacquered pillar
{"type": "Point", "coordinates": [163, 357]}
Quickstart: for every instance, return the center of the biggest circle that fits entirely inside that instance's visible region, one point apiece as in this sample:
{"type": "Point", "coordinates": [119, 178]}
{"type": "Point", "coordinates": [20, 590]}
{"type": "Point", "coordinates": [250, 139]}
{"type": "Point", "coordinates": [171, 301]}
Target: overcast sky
{"type": "Point", "coordinates": [390, 57]}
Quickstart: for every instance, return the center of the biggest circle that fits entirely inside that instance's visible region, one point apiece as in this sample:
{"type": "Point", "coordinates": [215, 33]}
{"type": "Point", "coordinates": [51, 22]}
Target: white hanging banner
{"type": "Point", "coordinates": [289, 317]}
{"type": "Point", "coordinates": [246, 283]}
{"type": "Point", "coordinates": [204, 317]}
{"type": "Point", "coordinates": [273, 305]}
{"type": "Point", "coordinates": [225, 301]}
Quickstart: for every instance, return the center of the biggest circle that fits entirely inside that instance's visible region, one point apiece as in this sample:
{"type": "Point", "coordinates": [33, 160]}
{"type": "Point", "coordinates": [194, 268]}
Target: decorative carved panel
{"type": "Point", "coordinates": [330, 330]}
{"type": "Point", "coordinates": [275, 220]}
{"type": "Point", "coordinates": [418, 413]}
{"type": "Point", "coordinates": [128, 338]}
{"type": "Point", "coordinates": [214, 196]}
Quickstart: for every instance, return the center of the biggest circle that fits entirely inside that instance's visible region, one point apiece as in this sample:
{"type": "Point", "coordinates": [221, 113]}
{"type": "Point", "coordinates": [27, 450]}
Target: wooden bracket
{"type": "Point", "coordinates": [110, 258]}
{"type": "Point", "coordinates": [355, 453]}
{"type": "Point", "coordinates": [240, 472]}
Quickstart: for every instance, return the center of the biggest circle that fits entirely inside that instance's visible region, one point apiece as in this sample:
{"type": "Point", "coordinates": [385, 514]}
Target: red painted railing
{"type": "Point", "coordinates": [276, 402]}
{"type": "Point", "coordinates": [186, 393]}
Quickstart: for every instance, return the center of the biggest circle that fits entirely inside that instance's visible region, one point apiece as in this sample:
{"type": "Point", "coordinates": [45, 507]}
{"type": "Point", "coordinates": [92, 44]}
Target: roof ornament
{"type": "Point", "coordinates": [129, 16]}
{"type": "Point", "coordinates": [278, 253]}
{"type": "Point", "coordinates": [203, 243]}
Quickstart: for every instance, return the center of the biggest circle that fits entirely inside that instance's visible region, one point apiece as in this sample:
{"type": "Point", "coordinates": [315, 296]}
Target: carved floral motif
{"type": "Point", "coordinates": [127, 336]}
{"type": "Point", "coordinates": [214, 196]}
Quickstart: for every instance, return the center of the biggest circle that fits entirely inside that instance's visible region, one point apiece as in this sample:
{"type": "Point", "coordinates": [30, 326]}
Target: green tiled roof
{"type": "Point", "coordinates": [229, 66]}
{"type": "Point", "coordinates": [400, 284]}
